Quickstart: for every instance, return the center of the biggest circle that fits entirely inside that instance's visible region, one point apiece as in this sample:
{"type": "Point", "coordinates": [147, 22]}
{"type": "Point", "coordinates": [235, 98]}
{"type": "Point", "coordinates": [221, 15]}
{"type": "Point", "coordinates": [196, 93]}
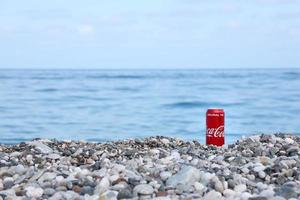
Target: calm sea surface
{"type": "Point", "coordinates": [99, 105]}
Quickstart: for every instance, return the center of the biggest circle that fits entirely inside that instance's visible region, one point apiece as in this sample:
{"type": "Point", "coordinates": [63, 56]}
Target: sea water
{"type": "Point", "coordinates": [101, 105]}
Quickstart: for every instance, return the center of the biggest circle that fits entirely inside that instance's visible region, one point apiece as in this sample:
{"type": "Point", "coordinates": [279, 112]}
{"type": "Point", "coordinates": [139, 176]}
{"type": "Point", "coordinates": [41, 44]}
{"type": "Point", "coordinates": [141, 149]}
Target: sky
{"type": "Point", "coordinates": [150, 34]}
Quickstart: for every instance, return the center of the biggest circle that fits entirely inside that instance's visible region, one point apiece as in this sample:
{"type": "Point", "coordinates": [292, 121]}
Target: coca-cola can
{"type": "Point", "coordinates": [215, 127]}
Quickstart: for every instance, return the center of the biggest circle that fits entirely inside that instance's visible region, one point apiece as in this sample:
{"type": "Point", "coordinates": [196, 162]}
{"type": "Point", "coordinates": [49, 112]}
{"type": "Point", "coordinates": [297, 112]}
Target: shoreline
{"type": "Point", "coordinates": [259, 167]}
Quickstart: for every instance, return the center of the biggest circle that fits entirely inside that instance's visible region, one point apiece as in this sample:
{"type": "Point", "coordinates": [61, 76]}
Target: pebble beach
{"type": "Point", "coordinates": [260, 167]}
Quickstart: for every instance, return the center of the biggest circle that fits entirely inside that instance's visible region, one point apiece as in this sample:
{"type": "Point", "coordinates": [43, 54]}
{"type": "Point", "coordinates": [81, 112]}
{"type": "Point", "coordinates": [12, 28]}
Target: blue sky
{"type": "Point", "coordinates": [150, 34]}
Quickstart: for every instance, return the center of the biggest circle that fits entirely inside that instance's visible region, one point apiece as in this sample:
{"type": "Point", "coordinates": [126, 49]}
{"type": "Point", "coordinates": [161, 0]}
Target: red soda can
{"type": "Point", "coordinates": [215, 127]}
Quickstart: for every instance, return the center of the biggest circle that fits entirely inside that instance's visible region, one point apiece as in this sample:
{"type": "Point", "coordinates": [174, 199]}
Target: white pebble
{"type": "Point", "coordinates": [205, 177]}
{"type": "Point", "coordinates": [29, 158]}
{"type": "Point", "coordinates": [195, 161]}
{"type": "Point", "coordinates": [119, 168]}
{"type": "Point", "coordinates": [267, 193]}
{"type": "Point", "coordinates": [259, 168]}
{"type": "Point", "coordinates": [109, 195]}
{"type": "Point", "coordinates": [53, 156]}
{"type": "Point", "coordinates": [85, 172]}
{"type": "Point", "coordinates": [198, 186]}
{"type": "Point", "coordinates": [261, 174]}
{"type": "Point", "coordinates": [8, 179]}
{"type": "Point", "coordinates": [212, 195]}
{"type": "Point", "coordinates": [154, 151]}
{"type": "Point", "coordinates": [175, 155]}
{"type": "Point", "coordinates": [245, 196]}
{"type": "Point", "coordinates": [102, 172]}
{"type": "Point", "coordinates": [20, 169]}
{"type": "Point", "coordinates": [15, 154]}
{"type": "Point", "coordinates": [228, 193]}
{"type": "Point", "coordinates": [34, 192]}
{"type": "Point", "coordinates": [165, 175]}
{"type": "Point", "coordinates": [59, 179]}
{"type": "Point", "coordinates": [245, 170]}
{"type": "Point", "coordinates": [261, 186]}
{"type": "Point", "coordinates": [240, 188]}
{"type": "Point", "coordinates": [251, 177]}
{"type": "Point", "coordinates": [113, 178]}
{"type": "Point", "coordinates": [102, 186]}
{"type": "Point", "coordinates": [289, 140]}
{"type": "Point", "coordinates": [165, 141]}
{"type": "Point", "coordinates": [217, 184]}
{"type": "Point", "coordinates": [143, 189]}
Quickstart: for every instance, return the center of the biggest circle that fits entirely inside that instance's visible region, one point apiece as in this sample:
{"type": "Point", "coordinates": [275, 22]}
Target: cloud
{"type": "Point", "coordinates": [85, 29]}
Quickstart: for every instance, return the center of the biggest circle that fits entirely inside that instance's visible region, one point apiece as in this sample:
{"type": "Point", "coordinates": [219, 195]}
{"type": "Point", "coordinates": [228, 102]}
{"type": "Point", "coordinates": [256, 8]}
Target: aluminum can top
{"type": "Point", "coordinates": [215, 110]}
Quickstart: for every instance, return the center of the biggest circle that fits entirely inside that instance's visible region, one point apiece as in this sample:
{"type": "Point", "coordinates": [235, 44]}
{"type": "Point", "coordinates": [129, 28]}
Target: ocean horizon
{"type": "Point", "coordinates": [113, 104]}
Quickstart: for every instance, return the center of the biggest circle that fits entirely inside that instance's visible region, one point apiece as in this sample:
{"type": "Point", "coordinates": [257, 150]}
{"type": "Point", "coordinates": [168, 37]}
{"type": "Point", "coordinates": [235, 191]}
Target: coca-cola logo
{"type": "Point", "coordinates": [215, 132]}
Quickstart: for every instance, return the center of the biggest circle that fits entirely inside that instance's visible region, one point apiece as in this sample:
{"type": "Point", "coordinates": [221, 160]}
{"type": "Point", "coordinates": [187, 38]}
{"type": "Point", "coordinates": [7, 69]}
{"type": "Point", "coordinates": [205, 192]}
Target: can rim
{"type": "Point", "coordinates": [215, 110]}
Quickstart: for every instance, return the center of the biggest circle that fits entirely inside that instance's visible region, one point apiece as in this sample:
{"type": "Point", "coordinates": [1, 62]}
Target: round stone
{"type": "Point", "coordinates": [19, 169]}
{"type": "Point", "coordinates": [218, 186]}
{"type": "Point", "coordinates": [15, 154]}
{"type": "Point", "coordinates": [289, 140]}
{"type": "Point", "coordinates": [34, 192]}
{"type": "Point", "coordinates": [229, 193]}
{"type": "Point", "coordinates": [245, 196]}
{"type": "Point", "coordinates": [144, 189]}
{"type": "Point", "coordinates": [240, 188]}
{"type": "Point", "coordinates": [102, 186]}
{"type": "Point", "coordinates": [198, 186]}
{"type": "Point", "coordinates": [8, 182]}
{"type": "Point", "coordinates": [267, 193]}
{"type": "Point", "coordinates": [86, 190]}
{"type": "Point", "coordinates": [259, 168]}
{"type": "Point", "coordinates": [165, 175]}
{"type": "Point", "coordinates": [76, 189]}
{"type": "Point", "coordinates": [53, 156]}
{"type": "Point", "coordinates": [261, 174]}
{"type": "Point", "coordinates": [49, 191]}
{"type": "Point", "coordinates": [29, 158]}
{"type": "Point", "coordinates": [125, 194]}
{"type": "Point", "coordinates": [212, 195]}
{"type": "Point", "coordinates": [245, 170]}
